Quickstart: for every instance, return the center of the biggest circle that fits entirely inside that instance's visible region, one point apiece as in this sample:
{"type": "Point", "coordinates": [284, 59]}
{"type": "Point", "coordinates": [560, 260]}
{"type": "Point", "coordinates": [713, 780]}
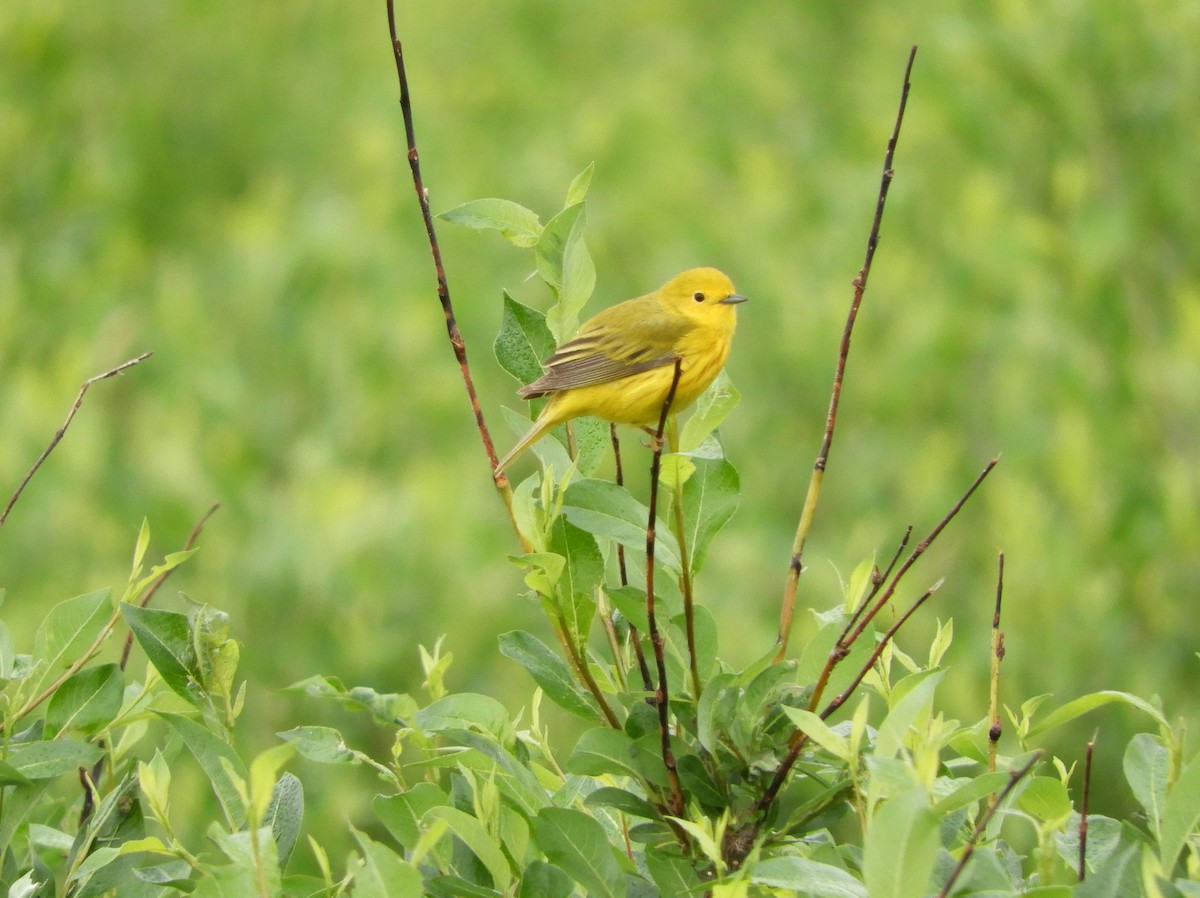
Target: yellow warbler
{"type": "Point", "coordinates": [620, 365]}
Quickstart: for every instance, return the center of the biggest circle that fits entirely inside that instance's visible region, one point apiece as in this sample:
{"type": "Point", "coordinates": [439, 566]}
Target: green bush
{"type": "Point", "coordinates": [690, 776]}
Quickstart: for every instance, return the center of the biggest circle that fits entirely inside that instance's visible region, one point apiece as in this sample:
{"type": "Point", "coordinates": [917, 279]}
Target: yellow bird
{"type": "Point", "coordinates": [620, 365]}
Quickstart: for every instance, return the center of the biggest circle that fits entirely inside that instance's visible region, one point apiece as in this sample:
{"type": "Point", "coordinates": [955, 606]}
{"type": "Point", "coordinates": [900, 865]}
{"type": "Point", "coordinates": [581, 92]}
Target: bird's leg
{"type": "Point", "coordinates": [655, 442]}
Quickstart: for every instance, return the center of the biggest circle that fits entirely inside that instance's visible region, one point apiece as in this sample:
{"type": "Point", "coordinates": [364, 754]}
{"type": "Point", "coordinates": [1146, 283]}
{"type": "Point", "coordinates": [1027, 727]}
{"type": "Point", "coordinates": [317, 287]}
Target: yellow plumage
{"type": "Point", "coordinates": [620, 365]}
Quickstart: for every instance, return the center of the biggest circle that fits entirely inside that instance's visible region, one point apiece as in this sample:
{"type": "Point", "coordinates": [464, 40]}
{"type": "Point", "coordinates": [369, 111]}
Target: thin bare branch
{"type": "Point", "coordinates": [62, 431]}
{"type": "Point", "coordinates": [795, 565]}
{"type": "Point", "coordinates": [443, 289]}
{"type": "Point", "coordinates": [662, 694]}
{"type": "Point", "coordinates": [1083, 808]}
{"type": "Point", "coordinates": [1014, 777]}
{"type": "Point", "coordinates": [997, 655]}
{"type": "Point", "coordinates": [634, 639]}
{"type": "Point", "coordinates": [851, 634]}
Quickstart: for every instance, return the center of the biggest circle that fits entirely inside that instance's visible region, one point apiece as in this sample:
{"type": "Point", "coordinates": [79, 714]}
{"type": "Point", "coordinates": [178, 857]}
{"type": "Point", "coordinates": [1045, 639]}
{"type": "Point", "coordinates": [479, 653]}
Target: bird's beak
{"type": "Point", "coordinates": [734, 298]}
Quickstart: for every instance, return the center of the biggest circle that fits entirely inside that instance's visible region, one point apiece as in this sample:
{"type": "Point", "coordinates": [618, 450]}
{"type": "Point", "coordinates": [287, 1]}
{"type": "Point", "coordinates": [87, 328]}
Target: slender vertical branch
{"type": "Point", "coordinates": [443, 289]}
{"type": "Point", "coordinates": [796, 566]}
{"type": "Point", "coordinates": [1083, 808]}
{"type": "Point", "coordinates": [62, 431]}
{"type": "Point", "coordinates": [685, 566]}
{"type": "Point", "coordinates": [1014, 777]}
{"type": "Point", "coordinates": [662, 694]}
{"type": "Point", "coordinates": [634, 639]}
{"type": "Point", "coordinates": [996, 727]}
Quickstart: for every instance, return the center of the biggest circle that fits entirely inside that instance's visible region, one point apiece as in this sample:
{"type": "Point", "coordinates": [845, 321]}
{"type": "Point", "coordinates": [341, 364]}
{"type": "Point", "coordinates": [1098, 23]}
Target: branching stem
{"type": "Point", "coordinates": [443, 289]}
{"type": "Point", "coordinates": [796, 566]}
{"type": "Point", "coordinates": [62, 431]}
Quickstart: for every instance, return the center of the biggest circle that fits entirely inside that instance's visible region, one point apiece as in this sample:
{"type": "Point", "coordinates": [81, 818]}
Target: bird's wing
{"type": "Point", "coordinates": [601, 354]}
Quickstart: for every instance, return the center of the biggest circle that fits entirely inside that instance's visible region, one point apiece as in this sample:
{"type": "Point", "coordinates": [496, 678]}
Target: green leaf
{"type": "Point", "coordinates": [549, 671]}
{"type": "Point", "coordinates": [518, 225]}
{"type": "Point", "coordinates": [1147, 769]}
{"type": "Point", "coordinates": [402, 813]}
{"type": "Point", "coordinates": [711, 408]}
{"type": "Point", "coordinates": [622, 800]}
{"type": "Point", "coordinates": [565, 264]}
{"type": "Point", "coordinates": [901, 847]}
{"type": "Point", "coordinates": [542, 880]}
{"type": "Point", "coordinates": [219, 762]}
{"type": "Point", "coordinates": [916, 700]}
{"type": "Point", "coordinates": [523, 342]}
{"type": "Point", "coordinates": [166, 638]}
{"type": "Point", "coordinates": [710, 497]}
{"type": "Point", "coordinates": [1117, 877]}
{"type": "Point", "coordinates": [576, 588]}
{"type": "Point", "coordinates": [809, 877]}
{"type": "Point", "coordinates": [68, 631]}
{"type": "Point", "coordinates": [577, 191]}
{"type": "Point", "coordinates": [603, 750]}
{"type": "Point", "coordinates": [472, 833]}
{"type": "Point", "coordinates": [608, 510]}
{"type": "Point", "coordinates": [631, 602]}
{"type": "Point", "coordinates": [819, 731]}
{"type": "Point", "coordinates": [971, 791]}
{"type": "Point", "coordinates": [1181, 814]}
{"type": "Point", "coordinates": [1091, 701]}
{"type": "Point", "coordinates": [285, 815]}
{"type": "Point", "coordinates": [578, 844]}
{"type": "Point", "coordinates": [47, 760]}
{"type": "Point", "coordinates": [718, 704]}
{"type": "Point", "coordinates": [87, 701]}
{"type": "Point", "coordinates": [324, 745]}
{"type": "Point", "coordinates": [674, 875]}
{"type": "Point", "coordinates": [465, 710]}
{"type": "Point", "coordinates": [381, 873]}
{"type": "Point", "coordinates": [1046, 798]}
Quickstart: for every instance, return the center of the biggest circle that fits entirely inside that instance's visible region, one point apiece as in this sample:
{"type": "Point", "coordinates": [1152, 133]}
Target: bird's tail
{"type": "Point", "coordinates": [543, 423]}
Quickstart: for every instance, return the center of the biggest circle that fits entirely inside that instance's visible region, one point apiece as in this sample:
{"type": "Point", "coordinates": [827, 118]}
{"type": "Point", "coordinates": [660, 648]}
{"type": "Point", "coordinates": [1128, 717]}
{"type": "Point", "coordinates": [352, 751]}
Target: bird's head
{"type": "Point", "coordinates": [703, 294]}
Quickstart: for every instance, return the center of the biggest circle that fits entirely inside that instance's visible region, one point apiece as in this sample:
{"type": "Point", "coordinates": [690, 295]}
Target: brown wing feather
{"type": "Point", "coordinates": [596, 356]}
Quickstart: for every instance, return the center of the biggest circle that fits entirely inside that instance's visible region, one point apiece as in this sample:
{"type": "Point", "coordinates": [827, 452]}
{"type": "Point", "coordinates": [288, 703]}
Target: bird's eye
{"type": "Point", "coordinates": [699, 297]}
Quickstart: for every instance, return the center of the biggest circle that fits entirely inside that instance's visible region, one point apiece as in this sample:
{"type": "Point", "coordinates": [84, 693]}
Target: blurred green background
{"type": "Point", "coordinates": [225, 184]}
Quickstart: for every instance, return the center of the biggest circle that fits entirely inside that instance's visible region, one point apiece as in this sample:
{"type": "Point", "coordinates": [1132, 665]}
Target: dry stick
{"type": "Point", "coordinates": [443, 288]}
{"type": "Point", "coordinates": [1083, 810]}
{"type": "Point", "coordinates": [634, 638]}
{"type": "Point", "coordinates": [842, 647]}
{"type": "Point", "coordinates": [662, 694]}
{"type": "Point", "coordinates": [796, 566]}
{"type": "Point", "coordinates": [996, 727]}
{"type": "Point", "coordinates": [1014, 777]}
{"type": "Point", "coordinates": [162, 578]}
{"type": "Point", "coordinates": [62, 431]}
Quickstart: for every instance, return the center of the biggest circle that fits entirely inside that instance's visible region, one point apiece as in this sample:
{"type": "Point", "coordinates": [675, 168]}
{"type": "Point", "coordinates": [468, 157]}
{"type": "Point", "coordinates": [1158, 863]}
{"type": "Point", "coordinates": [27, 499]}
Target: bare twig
{"type": "Point", "coordinates": [62, 431]}
{"type": "Point", "coordinates": [634, 638]}
{"type": "Point", "coordinates": [1014, 777]}
{"type": "Point", "coordinates": [849, 636]}
{"type": "Point", "coordinates": [1083, 808]}
{"type": "Point", "coordinates": [162, 578]}
{"type": "Point", "coordinates": [799, 738]}
{"type": "Point", "coordinates": [996, 727]}
{"type": "Point", "coordinates": [796, 565]}
{"type": "Point", "coordinates": [443, 288]}
{"type": "Point", "coordinates": [662, 694]}
{"type": "Point", "coordinates": [878, 651]}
